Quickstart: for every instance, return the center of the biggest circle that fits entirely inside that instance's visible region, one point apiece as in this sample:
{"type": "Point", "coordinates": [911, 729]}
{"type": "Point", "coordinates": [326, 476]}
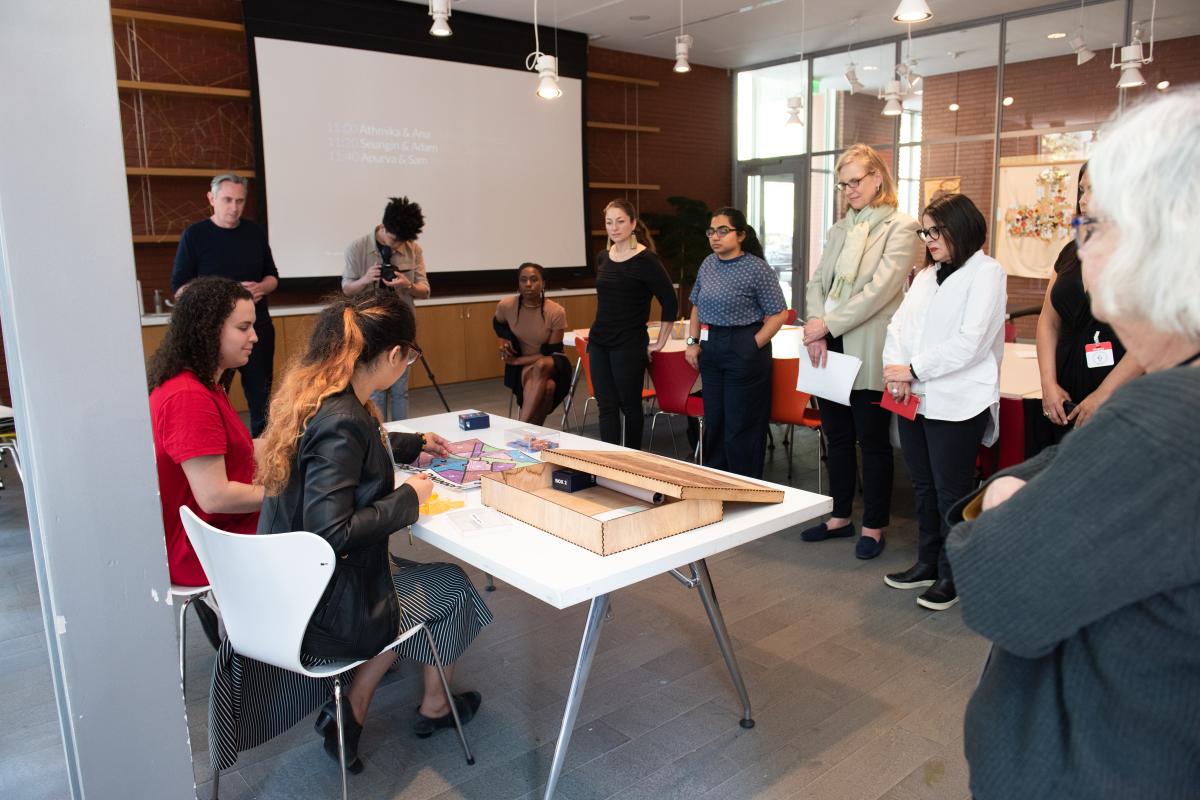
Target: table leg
{"type": "Point", "coordinates": [587, 649]}
{"type": "Point", "coordinates": [570, 395]}
{"type": "Point", "coordinates": [709, 597]}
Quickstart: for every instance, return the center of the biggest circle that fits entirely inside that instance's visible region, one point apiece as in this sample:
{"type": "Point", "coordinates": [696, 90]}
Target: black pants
{"type": "Point", "coordinates": [941, 461]}
{"type": "Point", "coordinates": [618, 375]}
{"type": "Point", "coordinates": [736, 374]}
{"type": "Point", "coordinates": [256, 375]}
{"type": "Point", "coordinates": [864, 422]}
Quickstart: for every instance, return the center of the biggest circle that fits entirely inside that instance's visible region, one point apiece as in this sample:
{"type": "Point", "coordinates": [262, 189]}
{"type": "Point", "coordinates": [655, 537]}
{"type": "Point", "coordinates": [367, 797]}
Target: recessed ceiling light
{"type": "Point", "coordinates": [1162, 86]}
{"type": "Point", "coordinates": [639, 17]}
{"type": "Point", "coordinates": [869, 67]}
{"type": "Point", "coordinates": [954, 106]}
{"type": "Point", "coordinates": [592, 37]}
{"type": "Point", "coordinates": [1008, 101]}
{"type": "Point", "coordinates": [1056, 35]}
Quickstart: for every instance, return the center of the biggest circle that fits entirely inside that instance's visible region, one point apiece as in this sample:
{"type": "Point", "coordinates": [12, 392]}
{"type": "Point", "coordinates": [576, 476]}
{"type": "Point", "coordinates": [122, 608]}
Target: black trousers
{"type": "Point", "coordinates": [618, 375]}
{"type": "Point", "coordinates": [257, 375]}
{"type": "Point", "coordinates": [865, 423]}
{"type": "Point", "coordinates": [737, 399]}
{"type": "Point", "coordinates": [940, 456]}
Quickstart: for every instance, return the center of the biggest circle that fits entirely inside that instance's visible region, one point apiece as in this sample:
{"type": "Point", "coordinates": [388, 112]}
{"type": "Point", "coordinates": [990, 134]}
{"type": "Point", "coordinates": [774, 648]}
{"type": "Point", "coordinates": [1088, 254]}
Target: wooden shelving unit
{"type": "Point", "coordinates": [175, 21]}
{"type": "Point", "coordinates": [183, 88]}
{"type": "Point", "coordinates": [609, 77]}
{"type": "Point", "coordinates": [619, 126]}
{"type": "Point", "coordinates": [633, 187]}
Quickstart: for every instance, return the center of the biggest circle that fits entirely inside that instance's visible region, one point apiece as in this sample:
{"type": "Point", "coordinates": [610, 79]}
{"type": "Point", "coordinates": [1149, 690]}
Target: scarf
{"type": "Point", "coordinates": [861, 225]}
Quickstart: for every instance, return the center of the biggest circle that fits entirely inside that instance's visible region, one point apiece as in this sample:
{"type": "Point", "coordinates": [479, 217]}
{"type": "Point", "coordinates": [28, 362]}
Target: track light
{"type": "Point", "coordinates": [852, 77]}
{"type": "Point", "coordinates": [547, 70]}
{"type": "Point", "coordinates": [1079, 45]}
{"type": "Point", "coordinates": [1132, 57]}
{"type": "Point", "coordinates": [891, 94]}
{"type": "Point", "coordinates": [683, 45]}
{"type": "Point", "coordinates": [440, 11]}
{"type": "Point", "coordinates": [912, 11]}
{"type": "Point", "coordinates": [795, 107]}
{"type": "Point", "coordinates": [914, 84]}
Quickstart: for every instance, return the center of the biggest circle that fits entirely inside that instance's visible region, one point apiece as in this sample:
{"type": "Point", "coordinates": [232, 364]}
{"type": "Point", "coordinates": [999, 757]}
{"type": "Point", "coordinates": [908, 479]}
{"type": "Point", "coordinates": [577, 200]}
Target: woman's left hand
{"type": "Point", "coordinates": [899, 391]}
{"type": "Point", "coordinates": [436, 445]}
{"type": "Point", "coordinates": [1000, 490]}
{"type": "Point", "coordinates": [815, 330]}
{"type": "Point", "coordinates": [1083, 412]}
{"type": "Point", "coordinates": [897, 373]}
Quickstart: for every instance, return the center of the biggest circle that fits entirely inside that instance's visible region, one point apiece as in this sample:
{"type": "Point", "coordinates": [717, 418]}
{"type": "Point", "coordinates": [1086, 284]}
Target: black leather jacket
{"type": "Point", "coordinates": [341, 488]}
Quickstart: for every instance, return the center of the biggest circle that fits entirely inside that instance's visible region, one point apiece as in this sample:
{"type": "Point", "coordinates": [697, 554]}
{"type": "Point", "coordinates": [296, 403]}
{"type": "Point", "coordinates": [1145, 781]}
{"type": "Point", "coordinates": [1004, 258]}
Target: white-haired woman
{"type": "Point", "coordinates": [1083, 566]}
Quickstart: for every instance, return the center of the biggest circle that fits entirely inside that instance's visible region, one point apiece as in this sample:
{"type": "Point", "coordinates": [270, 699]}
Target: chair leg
{"type": "Point", "coordinates": [583, 419]}
{"type": "Point", "coordinates": [216, 783]}
{"type": "Point", "coordinates": [787, 448]}
{"type": "Point", "coordinates": [650, 442]}
{"type": "Point", "coordinates": [183, 641]}
{"type": "Point", "coordinates": [700, 443]}
{"type": "Point", "coordinates": [491, 584]}
{"type": "Point", "coordinates": [449, 697]}
{"type": "Point", "coordinates": [567, 401]}
{"type": "Point", "coordinates": [337, 705]}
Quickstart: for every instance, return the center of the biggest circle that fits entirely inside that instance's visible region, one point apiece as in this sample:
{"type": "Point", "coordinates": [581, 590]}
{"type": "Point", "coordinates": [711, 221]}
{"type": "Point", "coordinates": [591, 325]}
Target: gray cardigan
{"type": "Point", "coordinates": [1088, 582]}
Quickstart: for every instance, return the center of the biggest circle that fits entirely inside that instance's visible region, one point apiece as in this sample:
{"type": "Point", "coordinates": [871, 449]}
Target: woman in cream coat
{"type": "Point", "coordinates": [849, 302]}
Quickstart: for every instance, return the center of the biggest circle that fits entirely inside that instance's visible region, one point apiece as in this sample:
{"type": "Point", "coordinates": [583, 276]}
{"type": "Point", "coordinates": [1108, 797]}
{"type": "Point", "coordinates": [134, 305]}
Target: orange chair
{"type": "Point", "coordinates": [791, 317]}
{"type": "Point", "coordinates": [585, 363]}
{"type": "Point", "coordinates": [791, 408]}
{"type": "Point", "coordinates": [673, 379]}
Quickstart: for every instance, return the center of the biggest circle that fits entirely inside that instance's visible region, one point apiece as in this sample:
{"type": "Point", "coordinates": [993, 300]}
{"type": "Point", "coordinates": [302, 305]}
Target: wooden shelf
{"type": "Point", "coordinates": [643, 187]}
{"type": "Point", "coordinates": [605, 233]}
{"type": "Point", "coordinates": [617, 126]}
{"type": "Point", "coordinates": [155, 238]}
{"type": "Point", "coordinates": [175, 21]}
{"type": "Point", "coordinates": [606, 76]}
{"type": "Point", "coordinates": [186, 172]}
{"type": "Point", "coordinates": [183, 88]}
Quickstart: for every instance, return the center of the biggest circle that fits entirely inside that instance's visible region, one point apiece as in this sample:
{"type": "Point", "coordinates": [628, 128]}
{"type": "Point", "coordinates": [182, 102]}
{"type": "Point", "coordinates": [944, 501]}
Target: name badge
{"type": "Point", "coordinates": [704, 333]}
{"type": "Point", "coordinates": [1099, 354]}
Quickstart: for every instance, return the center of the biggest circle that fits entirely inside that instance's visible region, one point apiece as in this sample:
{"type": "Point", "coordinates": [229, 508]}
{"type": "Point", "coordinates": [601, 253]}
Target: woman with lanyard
{"type": "Point", "coordinates": [737, 307]}
{"type": "Point", "coordinates": [849, 302]}
{"type": "Point", "coordinates": [628, 274]}
{"type": "Point", "coordinates": [1081, 360]}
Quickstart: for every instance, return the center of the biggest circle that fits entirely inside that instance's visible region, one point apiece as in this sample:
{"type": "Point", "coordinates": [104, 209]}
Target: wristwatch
{"type": "Point", "coordinates": [691, 340]}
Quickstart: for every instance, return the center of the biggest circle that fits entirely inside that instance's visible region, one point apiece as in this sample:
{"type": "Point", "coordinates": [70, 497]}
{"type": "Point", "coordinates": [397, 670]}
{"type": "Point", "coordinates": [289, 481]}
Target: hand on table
{"type": "Point", "coordinates": [436, 445]}
{"type": "Point", "coordinates": [1000, 490]}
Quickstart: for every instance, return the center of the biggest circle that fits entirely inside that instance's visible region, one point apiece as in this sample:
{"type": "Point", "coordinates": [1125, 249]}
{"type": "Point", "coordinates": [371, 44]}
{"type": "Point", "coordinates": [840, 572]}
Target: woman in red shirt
{"type": "Point", "coordinates": [202, 449]}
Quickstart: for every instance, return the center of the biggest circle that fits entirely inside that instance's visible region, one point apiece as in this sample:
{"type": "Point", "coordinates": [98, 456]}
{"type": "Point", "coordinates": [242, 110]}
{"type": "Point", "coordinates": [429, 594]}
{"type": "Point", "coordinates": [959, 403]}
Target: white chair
{"type": "Point", "coordinates": [268, 587]}
{"type": "Point", "coordinates": [187, 594]}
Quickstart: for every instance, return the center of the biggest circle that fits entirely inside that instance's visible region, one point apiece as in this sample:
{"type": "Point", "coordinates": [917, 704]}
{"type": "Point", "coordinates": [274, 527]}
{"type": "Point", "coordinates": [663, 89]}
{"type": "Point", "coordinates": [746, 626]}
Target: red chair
{"type": "Point", "coordinates": [790, 407]}
{"type": "Point", "coordinates": [791, 317]}
{"type": "Point", "coordinates": [673, 379]}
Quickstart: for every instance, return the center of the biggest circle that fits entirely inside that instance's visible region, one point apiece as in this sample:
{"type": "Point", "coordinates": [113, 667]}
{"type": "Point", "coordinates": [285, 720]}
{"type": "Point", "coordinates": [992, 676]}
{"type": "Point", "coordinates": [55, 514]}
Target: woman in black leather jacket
{"type": "Point", "coordinates": [328, 468]}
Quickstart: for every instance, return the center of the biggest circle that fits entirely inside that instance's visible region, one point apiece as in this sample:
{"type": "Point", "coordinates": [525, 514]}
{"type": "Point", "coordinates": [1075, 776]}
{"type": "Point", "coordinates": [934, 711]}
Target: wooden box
{"type": "Point", "coordinates": [606, 521]}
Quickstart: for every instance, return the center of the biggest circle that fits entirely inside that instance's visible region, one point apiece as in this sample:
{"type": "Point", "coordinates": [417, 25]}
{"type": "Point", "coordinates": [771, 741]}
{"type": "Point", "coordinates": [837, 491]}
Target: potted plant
{"type": "Point", "coordinates": [682, 242]}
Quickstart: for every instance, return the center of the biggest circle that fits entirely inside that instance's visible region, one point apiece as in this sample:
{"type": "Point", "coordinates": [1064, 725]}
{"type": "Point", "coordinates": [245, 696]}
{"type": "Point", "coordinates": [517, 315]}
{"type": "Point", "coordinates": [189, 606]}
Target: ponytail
{"type": "Point", "coordinates": [750, 243]}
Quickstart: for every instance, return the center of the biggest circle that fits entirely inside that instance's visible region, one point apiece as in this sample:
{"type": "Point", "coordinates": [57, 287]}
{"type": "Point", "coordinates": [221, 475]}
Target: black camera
{"type": "Point", "coordinates": [386, 271]}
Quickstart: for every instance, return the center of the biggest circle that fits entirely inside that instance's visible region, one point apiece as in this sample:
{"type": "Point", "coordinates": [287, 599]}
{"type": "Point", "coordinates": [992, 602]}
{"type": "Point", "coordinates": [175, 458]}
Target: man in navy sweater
{"type": "Point", "coordinates": [236, 248]}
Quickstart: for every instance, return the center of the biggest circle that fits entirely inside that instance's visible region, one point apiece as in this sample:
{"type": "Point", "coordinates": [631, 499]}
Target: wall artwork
{"type": "Point", "coordinates": [1035, 204]}
{"type": "Point", "coordinates": [936, 187]}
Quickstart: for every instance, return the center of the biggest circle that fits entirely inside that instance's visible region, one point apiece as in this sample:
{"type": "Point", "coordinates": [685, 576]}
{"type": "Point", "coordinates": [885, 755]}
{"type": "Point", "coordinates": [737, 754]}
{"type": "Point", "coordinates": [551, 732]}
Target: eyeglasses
{"type": "Point", "coordinates": [720, 232]}
{"type": "Point", "coordinates": [932, 233]}
{"type": "Point", "coordinates": [412, 353]}
{"type": "Point", "coordinates": [1085, 227]}
{"type": "Point", "coordinates": [853, 183]}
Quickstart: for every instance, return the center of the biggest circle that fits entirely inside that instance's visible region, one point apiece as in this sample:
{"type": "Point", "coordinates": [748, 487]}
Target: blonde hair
{"type": "Point", "coordinates": [869, 157]}
{"type": "Point", "coordinates": [640, 232]}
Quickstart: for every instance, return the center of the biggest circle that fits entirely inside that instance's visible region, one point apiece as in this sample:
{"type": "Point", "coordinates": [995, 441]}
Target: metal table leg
{"type": "Point", "coordinates": [709, 597]}
{"type": "Point", "coordinates": [587, 649]}
{"type": "Point", "coordinates": [570, 395]}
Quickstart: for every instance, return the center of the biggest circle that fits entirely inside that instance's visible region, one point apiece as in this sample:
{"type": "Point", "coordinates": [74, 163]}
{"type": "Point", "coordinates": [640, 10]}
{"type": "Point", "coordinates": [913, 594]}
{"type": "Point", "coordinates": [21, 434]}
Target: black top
{"type": "Point", "coordinates": [241, 254]}
{"type": "Point", "coordinates": [1079, 328]}
{"type": "Point", "coordinates": [342, 489]}
{"type": "Point", "coordinates": [623, 292]}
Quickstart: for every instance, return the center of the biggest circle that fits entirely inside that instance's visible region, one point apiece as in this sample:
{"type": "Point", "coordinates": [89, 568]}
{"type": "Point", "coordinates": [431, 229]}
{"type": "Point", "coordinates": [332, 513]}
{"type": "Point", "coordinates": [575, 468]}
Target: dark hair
{"type": "Point", "coordinates": [1079, 189]}
{"type": "Point", "coordinates": [403, 219]}
{"type": "Point", "coordinates": [750, 243]}
{"type": "Point", "coordinates": [640, 231]}
{"type": "Point", "coordinates": [542, 300]}
{"type": "Point", "coordinates": [963, 227]}
{"type": "Point", "coordinates": [193, 338]}
{"type": "Point", "coordinates": [380, 321]}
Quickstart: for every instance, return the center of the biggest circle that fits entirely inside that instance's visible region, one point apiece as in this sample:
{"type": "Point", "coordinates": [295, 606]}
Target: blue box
{"type": "Point", "coordinates": [570, 480]}
{"type": "Point", "coordinates": [474, 420]}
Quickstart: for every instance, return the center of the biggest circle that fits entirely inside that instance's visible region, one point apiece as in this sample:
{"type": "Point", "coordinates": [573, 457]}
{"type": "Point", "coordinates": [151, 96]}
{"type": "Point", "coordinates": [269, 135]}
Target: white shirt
{"type": "Point", "coordinates": [953, 336]}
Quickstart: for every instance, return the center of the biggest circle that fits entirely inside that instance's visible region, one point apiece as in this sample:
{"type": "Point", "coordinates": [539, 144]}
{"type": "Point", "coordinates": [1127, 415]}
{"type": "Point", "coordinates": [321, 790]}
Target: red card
{"type": "Point", "coordinates": [907, 410]}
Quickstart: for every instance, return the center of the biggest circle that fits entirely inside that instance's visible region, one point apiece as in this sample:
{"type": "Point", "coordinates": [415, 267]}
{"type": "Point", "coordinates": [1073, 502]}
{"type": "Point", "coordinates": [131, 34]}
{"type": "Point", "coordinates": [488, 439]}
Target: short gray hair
{"type": "Point", "coordinates": [215, 186]}
{"type": "Point", "coordinates": [1146, 177]}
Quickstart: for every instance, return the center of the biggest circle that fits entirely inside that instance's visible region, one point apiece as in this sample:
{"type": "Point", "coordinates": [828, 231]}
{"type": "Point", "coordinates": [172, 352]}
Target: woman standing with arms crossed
{"type": "Point", "coordinates": [628, 274]}
{"type": "Point", "coordinates": [737, 307]}
{"type": "Point", "coordinates": [849, 303]}
{"type": "Point", "coordinates": [1066, 326]}
{"type": "Point", "coordinates": [945, 344]}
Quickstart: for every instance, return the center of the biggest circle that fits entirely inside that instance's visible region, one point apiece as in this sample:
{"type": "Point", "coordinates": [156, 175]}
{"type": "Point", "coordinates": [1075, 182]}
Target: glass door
{"type": "Point", "coordinates": [773, 197]}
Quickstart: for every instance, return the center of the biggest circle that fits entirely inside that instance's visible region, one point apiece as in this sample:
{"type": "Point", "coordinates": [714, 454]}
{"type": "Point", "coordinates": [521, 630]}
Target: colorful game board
{"type": "Point", "coordinates": [470, 459]}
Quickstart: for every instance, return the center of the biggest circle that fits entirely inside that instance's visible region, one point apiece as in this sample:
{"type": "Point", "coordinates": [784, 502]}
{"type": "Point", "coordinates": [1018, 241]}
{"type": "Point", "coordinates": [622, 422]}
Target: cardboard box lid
{"type": "Point", "coordinates": [665, 475]}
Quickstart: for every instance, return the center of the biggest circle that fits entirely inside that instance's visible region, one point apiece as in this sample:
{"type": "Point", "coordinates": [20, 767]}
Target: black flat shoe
{"type": "Point", "coordinates": [918, 576]}
{"type": "Point", "coordinates": [467, 704]}
{"type": "Point", "coordinates": [326, 725]}
{"type": "Point", "coordinates": [819, 533]}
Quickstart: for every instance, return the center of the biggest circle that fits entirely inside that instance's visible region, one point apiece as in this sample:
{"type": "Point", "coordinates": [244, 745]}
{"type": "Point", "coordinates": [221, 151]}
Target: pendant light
{"type": "Point", "coordinates": [440, 11]}
{"type": "Point", "coordinates": [683, 46]}
{"type": "Point", "coordinates": [912, 11]}
{"type": "Point", "coordinates": [1132, 57]}
{"type": "Point", "coordinates": [546, 65]}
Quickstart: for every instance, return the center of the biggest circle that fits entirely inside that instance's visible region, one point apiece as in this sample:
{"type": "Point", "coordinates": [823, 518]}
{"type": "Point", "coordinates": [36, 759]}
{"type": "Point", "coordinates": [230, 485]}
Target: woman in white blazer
{"type": "Point", "coordinates": [944, 345]}
{"type": "Point", "coordinates": [848, 304]}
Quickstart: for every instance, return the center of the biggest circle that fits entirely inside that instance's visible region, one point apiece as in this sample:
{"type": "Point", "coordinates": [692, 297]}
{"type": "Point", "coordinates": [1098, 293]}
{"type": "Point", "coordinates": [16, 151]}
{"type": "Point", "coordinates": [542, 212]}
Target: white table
{"type": "Point", "coordinates": [563, 574]}
{"type": "Point", "coordinates": [1019, 376]}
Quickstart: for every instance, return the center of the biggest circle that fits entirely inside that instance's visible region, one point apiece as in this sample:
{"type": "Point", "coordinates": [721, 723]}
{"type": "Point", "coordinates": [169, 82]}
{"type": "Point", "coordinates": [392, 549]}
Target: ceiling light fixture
{"type": "Point", "coordinates": [1132, 57]}
{"type": "Point", "coordinates": [1056, 35]}
{"type": "Point", "coordinates": [912, 11]}
{"type": "Point", "coordinates": [911, 82]}
{"type": "Point", "coordinates": [683, 46]}
{"type": "Point", "coordinates": [953, 106]}
{"type": "Point", "coordinates": [795, 103]}
{"type": "Point", "coordinates": [440, 11]}
{"type": "Point", "coordinates": [1008, 101]}
{"type": "Point", "coordinates": [852, 77]}
{"type": "Point", "coordinates": [1078, 41]}
{"type": "Point", "coordinates": [1162, 86]}
{"type": "Point", "coordinates": [891, 94]}
{"type": "Point", "coordinates": [546, 65]}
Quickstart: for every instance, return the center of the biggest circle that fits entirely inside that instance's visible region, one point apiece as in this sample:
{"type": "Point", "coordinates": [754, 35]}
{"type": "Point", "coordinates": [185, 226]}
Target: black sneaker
{"type": "Point", "coordinates": [918, 576]}
{"type": "Point", "coordinates": [940, 596]}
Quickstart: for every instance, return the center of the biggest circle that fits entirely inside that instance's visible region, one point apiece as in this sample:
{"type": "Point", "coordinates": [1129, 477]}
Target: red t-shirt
{"type": "Point", "coordinates": [190, 421]}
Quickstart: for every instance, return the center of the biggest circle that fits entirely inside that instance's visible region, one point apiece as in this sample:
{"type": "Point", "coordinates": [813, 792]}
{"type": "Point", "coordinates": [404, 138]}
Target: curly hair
{"type": "Point", "coordinates": [350, 331]}
{"type": "Point", "coordinates": [193, 338]}
{"type": "Point", "coordinates": [403, 219]}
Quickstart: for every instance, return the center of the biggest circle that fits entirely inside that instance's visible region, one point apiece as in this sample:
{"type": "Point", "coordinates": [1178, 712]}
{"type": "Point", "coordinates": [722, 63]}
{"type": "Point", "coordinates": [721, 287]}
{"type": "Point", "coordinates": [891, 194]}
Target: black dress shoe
{"type": "Point", "coordinates": [918, 576]}
{"type": "Point", "coordinates": [940, 596]}
{"type": "Point", "coordinates": [819, 533]}
{"type": "Point", "coordinates": [467, 704]}
{"type": "Point", "coordinates": [326, 725]}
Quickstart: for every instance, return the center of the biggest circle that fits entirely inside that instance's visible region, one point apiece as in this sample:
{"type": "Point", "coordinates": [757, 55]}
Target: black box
{"type": "Point", "coordinates": [570, 480]}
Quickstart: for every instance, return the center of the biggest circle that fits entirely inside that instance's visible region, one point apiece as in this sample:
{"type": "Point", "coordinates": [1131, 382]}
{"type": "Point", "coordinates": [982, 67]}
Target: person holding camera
{"type": "Point", "coordinates": [390, 256]}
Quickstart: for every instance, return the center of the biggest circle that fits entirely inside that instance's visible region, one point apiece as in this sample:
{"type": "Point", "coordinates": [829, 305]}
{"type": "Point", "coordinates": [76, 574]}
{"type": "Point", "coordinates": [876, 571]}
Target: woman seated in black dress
{"type": "Point", "coordinates": [531, 345]}
{"type": "Point", "coordinates": [328, 468]}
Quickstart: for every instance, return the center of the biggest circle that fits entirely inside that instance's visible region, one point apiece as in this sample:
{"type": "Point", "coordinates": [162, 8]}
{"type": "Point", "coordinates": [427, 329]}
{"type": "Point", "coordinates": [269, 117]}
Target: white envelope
{"type": "Point", "coordinates": [831, 382]}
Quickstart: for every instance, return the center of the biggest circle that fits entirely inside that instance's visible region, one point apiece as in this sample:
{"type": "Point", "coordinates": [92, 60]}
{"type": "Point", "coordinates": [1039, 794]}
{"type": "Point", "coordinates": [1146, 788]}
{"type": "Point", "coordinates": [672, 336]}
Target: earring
{"type": "Point", "coordinates": [633, 241]}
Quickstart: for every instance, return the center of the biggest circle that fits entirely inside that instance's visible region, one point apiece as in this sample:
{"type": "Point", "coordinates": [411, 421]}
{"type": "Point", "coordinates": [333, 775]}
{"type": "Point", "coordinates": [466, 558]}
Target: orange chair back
{"type": "Point", "coordinates": [581, 343]}
{"type": "Point", "coordinates": [789, 407]}
{"type": "Point", "coordinates": [673, 380]}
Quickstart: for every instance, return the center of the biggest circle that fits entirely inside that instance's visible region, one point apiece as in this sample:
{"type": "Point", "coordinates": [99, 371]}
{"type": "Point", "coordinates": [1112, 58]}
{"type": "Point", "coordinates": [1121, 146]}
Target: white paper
{"type": "Point", "coordinates": [834, 381]}
{"type": "Point", "coordinates": [477, 520]}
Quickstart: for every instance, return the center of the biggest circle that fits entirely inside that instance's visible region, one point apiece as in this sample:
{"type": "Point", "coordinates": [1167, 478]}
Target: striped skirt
{"type": "Point", "coordinates": [252, 702]}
